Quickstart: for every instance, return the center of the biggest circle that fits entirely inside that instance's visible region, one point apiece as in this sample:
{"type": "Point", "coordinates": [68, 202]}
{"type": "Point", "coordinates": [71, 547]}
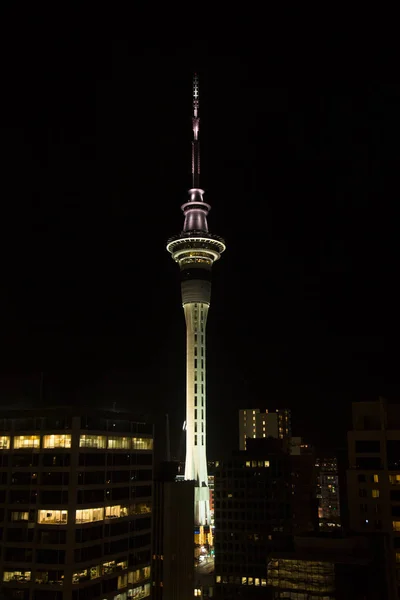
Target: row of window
{"type": "Point", "coordinates": [256, 581]}
{"type": "Point", "coordinates": [52, 441]}
{"type": "Point", "coordinates": [56, 577]}
{"type": "Point", "coordinates": [85, 515]}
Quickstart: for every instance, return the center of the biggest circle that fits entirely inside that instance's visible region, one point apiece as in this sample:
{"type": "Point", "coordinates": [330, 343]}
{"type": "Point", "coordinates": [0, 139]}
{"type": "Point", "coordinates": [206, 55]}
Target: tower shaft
{"type": "Point", "coordinates": [196, 250]}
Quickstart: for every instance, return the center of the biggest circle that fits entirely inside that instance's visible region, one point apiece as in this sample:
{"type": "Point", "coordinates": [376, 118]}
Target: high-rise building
{"type": "Point", "coordinates": [328, 567]}
{"type": "Point", "coordinates": [195, 250]}
{"type": "Point", "coordinates": [75, 505]}
{"type": "Point", "coordinates": [172, 564]}
{"type": "Point", "coordinates": [328, 493]}
{"type": "Point", "coordinates": [256, 423]}
{"type": "Point", "coordinates": [373, 478]}
{"type": "Point", "coordinates": [262, 496]}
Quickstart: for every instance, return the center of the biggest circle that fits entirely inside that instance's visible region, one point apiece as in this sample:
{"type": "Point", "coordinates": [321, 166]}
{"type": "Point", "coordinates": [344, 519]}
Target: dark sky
{"type": "Point", "coordinates": [300, 162]}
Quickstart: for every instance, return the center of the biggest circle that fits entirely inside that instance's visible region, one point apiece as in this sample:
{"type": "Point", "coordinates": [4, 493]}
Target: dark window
{"type": "Point", "coordinates": [57, 459]}
{"type": "Point", "coordinates": [23, 497]}
{"type": "Point", "coordinates": [116, 546]}
{"type": "Point", "coordinates": [117, 494]}
{"type": "Point", "coordinates": [3, 460]}
{"type": "Point", "coordinates": [89, 553]}
{"type": "Point", "coordinates": [92, 459]}
{"type": "Point", "coordinates": [87, 593]}
{"type": "Point", "coordinates": [141, 491]}
{"type": "Point", "coordinates": [55, 478]}
{"type": "Point", "coordinates": [54, 497]}
{"type": "Point", "coordinates": [18, 554]}
{"type": "Point", "coordinates": [110, 585]}
{"type": "Point", "coordinates": [365, 446]}
{"type": "Point", "coordinates": [25, 460]}
{"type": "Point", "coordinates": [51, 536]}
{"type": "Point", "coordinates": [24, 424]}
{"type": "Point", "coordinates": [395, 495]}
{"type": "Point", "coordinates": [94, 422]}
{"type": "Point", "coordinates": [396, 511]}
{"type": "Point", "coordinates": [368, 463]}
{"type": "Point", "coordinates": [50, 557]}
{"type": "Point", "coordinates": [47, 595]}
{"type": "Point", "coordinates": [86, 496]}
{"type": "Point", "coordinates": [23, 478]}
{"type": "Point", "coordinates": [393, 453]}
{"type": "Point", "coordinates": [140, 524]}
{"type": "Point", "coordinates": [91, 477]}
{"type": "Point", "coordinates": [119, 460]}
{"type": "Point", "coordinates": [57, 423]}
{"type": "Point", "coordinates": [89, 534]}
{"type": "Point", "coordinates": [20, 534]}
{"type": "Point", "coordinates": [115, 529]}
{"type": "Point", "coordinates": [3, 478]}
{"type": "Point", "coordinates": [362, 492]}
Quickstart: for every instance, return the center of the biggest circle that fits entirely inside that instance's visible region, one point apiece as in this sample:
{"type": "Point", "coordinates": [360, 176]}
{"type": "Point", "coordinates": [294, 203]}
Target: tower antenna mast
{"type": "Point", "coordinates": [196, 129]}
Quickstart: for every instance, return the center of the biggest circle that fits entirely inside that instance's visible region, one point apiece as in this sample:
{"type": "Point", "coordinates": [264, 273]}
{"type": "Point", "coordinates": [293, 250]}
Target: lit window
{"type": "Point", "coordinates": [119, 443]}
{"type": "Point", "coordinates": [142, 443]}
{"type": "Point", "coordinates": [53, 517]}
{"type": "Point", "coordinates": [92, 441]}
{"type": "Point", "coordinates": [4, 442]}
{"type": "Point", "coordinates": [20, 516]}
{"type": "Point", "coordinates": [122, 581]}
{"type": "Point", "coordinates": [266, 463]}
{"type": "Point", "coordinates": [394, 479]}
{"type": "Point", "coordinates": [26, 441]}
{"type": "Point", "coordinates": [256, 581]}
{"type": "Point", "coordinates": [89, 515]}
{"type": "Point", "coordinates": [250, 581]}
{"type": "Point", "coordinates": [217, 463]}
{"type": "Point", "coordinates": [244, 580]}
{"type": "Point", "coordinates": [375, 493]}
{"type": "Point", "coordinates": [263, 582]}
{"type": "Point", "coordinates": [218, 579]}
{"type": "Point", "coordinates": [263, 434]}
{"type": "Point", "coordinates": [396, 525]}
{"type": "Point", "coordinates": [248, 464]}
{"type": "Point", "coordinates": [139, 574]}
{"type": "Point", "coordinates": [57, 441]}
{"type": "Point", "coordinates": [398, 557]}
{"type": "Point", "coordinates": [19, 576]}
{"type": "Point", "coordinates": [376, 478]}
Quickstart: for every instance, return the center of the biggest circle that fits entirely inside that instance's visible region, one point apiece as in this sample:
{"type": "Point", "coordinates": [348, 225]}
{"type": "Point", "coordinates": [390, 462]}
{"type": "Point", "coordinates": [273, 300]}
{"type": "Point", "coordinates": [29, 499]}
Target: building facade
{"type": "Point", "coordinates": [257, 423]}
{"type": "Point", "coordinates": [195, 250]}
{"type": "Point", "coordinates": [373, 479]}
{"type": "Point", "coordinates": [328, 493]}
{"type": "Point", "coordinates": [172, 561]}
{"type": "Point", "coordinates": [75, 505]}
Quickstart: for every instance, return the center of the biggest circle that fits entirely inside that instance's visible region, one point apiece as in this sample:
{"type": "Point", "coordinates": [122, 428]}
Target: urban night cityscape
{"type": "Point", "coordinates": [199, 391]}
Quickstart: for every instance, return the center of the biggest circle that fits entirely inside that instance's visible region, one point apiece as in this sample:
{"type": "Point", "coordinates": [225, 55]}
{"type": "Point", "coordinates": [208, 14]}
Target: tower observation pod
{"type": "Point", "coordinates": [195, 250]}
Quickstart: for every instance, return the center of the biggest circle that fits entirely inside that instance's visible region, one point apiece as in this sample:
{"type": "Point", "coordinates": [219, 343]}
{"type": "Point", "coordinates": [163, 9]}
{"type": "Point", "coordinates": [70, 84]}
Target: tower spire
{"type": "Point", "coordinates": [196, 128]}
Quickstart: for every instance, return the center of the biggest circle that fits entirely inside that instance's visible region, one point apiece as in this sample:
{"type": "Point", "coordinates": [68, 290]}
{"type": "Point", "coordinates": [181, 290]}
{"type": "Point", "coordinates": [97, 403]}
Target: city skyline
{"type": "Point", "coordinates": [94, 167]}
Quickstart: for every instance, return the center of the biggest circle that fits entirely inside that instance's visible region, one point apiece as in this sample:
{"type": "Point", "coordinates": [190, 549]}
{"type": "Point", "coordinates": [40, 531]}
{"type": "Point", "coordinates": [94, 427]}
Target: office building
{"type": "Point", "coordinates": [262, 496]}
{"type": "Point", "coordinates": [195, 250]}
{"type": "Point", "coordinates": [172, 561]}
{"type": "Point", "coordinates": [373, 478]}
{"type": "Point", "coordinates": [255, 423]}
{"type": "Point", "coordinates": [329, 567]}
{"type": "Point", "coordinates": [75, 505]}
{"type": "Point", "coordinates": [328, 493]}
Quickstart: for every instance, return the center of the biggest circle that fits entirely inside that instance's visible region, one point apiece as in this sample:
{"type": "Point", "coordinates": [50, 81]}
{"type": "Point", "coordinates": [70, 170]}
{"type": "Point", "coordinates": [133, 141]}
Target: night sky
{"type": "Point", "coordinates": [300, 163]}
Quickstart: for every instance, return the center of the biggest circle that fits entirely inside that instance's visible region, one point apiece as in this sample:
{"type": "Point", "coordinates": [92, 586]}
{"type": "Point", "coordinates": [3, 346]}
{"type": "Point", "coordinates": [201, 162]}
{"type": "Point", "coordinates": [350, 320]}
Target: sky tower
{"type": "Point", "coordinates": [195, 250]}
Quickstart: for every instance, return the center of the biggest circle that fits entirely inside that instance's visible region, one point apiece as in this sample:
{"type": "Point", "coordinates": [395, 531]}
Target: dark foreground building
{"type": "Point", "coordinates": [262, 496]}
{"type": "Point", "coordinates": [75, 505]}
{"type": "Point", "coordinates": [173, 561]}
{"type": "Point", "coordinates": [329, 566]}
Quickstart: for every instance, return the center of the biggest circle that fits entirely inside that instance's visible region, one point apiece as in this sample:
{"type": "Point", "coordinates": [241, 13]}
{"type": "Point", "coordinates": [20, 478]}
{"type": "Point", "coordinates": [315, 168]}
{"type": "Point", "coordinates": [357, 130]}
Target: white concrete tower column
{"type": "Point", "coordinates": [195, 250]}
